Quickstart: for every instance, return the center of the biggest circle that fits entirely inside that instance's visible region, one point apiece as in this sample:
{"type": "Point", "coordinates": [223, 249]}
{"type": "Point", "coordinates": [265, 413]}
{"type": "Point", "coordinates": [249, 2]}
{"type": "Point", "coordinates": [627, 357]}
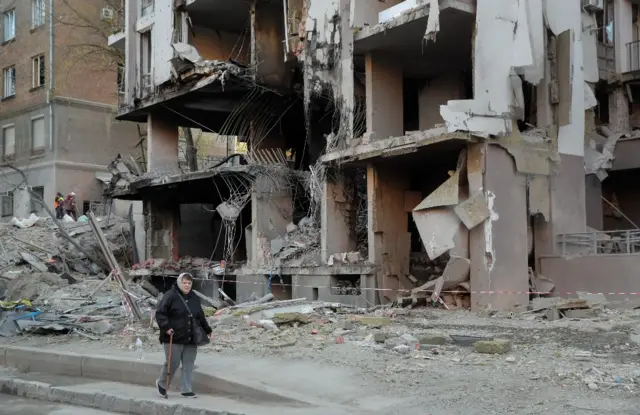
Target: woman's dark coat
{"type": "Point", "coordinates": [172, 313]}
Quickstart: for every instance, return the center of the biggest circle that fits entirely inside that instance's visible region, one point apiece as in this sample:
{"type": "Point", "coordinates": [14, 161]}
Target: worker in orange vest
{"type": "Point", "coordinates": [59, 205]}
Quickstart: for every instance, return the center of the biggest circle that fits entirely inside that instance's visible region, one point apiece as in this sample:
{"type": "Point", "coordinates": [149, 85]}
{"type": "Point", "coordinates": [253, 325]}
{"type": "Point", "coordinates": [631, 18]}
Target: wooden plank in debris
{"type": "Point", "coordinates": [572, 303]}
{"type": "Point", "coordinates": [211, 301]}
{"type": "Point", "coordinates": [115, 268]}
{"type": "Point", "coordinates": [34, 261]}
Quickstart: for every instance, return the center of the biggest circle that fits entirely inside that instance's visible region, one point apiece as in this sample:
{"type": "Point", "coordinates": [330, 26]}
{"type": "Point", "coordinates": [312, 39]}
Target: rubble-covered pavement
{"type": "Point", "coordinates": [453, 361]}
{"type": "Point", "coordinates": [563, 356]}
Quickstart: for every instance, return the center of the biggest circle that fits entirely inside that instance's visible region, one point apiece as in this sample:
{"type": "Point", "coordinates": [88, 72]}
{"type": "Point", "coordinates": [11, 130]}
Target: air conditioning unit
{"type": "Point", "coordinates": [106, 14]}
{"type": "Point", "coordinates": [593, 5]}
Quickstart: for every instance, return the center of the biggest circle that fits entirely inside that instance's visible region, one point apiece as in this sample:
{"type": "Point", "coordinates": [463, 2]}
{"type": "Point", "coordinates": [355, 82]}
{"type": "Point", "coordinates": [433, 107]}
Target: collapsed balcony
{"type": "Point", "coordinates": [208, 90]}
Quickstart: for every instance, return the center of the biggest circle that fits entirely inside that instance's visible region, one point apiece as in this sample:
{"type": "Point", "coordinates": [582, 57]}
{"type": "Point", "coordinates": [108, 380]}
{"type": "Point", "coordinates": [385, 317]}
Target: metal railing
{"type": "Point", "coordinates": [599, 243]}
{"type": "Point", "coordinates": [633, 56]}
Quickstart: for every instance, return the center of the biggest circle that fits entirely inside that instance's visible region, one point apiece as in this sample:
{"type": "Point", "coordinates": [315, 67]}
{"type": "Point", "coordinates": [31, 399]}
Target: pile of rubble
{"type": "Point", "coordinates": [57, 280]}
{"type": "Point", "coordinates": [299, 247]}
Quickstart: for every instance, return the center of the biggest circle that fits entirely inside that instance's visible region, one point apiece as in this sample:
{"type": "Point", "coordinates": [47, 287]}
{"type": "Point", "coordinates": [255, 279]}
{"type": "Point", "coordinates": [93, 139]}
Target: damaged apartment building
{"type": "Point", "coordinates": [456, 149]}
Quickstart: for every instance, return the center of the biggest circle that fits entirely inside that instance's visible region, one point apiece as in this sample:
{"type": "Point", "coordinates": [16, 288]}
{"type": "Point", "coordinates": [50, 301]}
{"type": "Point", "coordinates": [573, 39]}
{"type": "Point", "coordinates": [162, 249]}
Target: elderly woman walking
{"type": "Point", "coordinates": [183, 327]}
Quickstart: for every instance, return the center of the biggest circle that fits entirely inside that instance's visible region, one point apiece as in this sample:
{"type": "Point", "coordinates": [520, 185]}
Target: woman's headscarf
{"type": "Point", "coordinates": [180, 280]}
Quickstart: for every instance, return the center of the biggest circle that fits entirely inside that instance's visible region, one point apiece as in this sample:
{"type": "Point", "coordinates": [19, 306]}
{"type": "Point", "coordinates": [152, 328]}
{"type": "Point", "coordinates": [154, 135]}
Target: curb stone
{"type": "Point", "coordinates": [102, 401]}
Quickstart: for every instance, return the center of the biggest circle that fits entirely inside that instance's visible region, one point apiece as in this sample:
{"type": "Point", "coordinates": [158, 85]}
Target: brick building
{"type": "Point", "coordinates": [58, 98]}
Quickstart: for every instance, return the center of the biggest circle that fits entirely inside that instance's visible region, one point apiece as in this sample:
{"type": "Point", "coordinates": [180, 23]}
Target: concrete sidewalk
{"type": "Point", "coordinates": [20, 406]}
{"type": "Point", "coordinates": [237, 385]}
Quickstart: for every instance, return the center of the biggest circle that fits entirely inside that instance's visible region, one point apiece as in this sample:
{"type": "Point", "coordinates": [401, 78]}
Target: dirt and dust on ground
{"type": "Point", "coordinates": [491, 362]}
{"type": "Point", "coordinates": [561, 356]}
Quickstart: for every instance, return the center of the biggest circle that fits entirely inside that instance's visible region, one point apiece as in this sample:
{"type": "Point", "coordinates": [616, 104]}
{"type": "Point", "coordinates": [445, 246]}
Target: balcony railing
{"type": "Point", "coordinates": [599, 243]}
{"type": "Point", "coordinates": [633, 56]}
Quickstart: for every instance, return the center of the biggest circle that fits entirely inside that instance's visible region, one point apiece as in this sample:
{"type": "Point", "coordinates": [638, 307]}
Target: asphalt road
{"type": "Point", "coordinates": [10, 405]}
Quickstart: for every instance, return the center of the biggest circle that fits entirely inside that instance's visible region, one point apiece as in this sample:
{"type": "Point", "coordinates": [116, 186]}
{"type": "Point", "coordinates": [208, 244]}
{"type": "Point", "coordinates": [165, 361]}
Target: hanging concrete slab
{"type": "Point", "coordinates": [473, 211]}
{"type": "Point", "coordinates": [437, 228]}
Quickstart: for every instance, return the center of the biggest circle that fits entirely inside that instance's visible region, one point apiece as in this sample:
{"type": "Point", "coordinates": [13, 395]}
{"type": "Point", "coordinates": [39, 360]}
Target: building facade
{"type": "Point", "coordinates": [58, 101]}
{"type": "Point", "coordinates": [454, 147]}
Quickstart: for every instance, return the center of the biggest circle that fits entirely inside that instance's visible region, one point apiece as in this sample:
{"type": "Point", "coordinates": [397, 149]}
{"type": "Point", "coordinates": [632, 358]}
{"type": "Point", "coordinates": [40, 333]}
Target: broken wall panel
{"type": "Point", "coordinates": [389, 239]}
{"type": "Point", "coordinates": [328, 62]}
{"type": "Point", "coordinates": [565, 76]}
{"type": "Point", "coordinates": [162, 144]}
{"type": "Point", "coordinates": [562, 16]}
{"type": "Point", "coordinates": [268, 33]}
{"type": "Point", "coordinates": [366, 12]}
{"type": "Point", "coordinates": [437, 228]}
{"type": "Point", "coordinates": [384, 86]}
{"type": "Point", "coordinates": [441, 89]}
{"type": "Point", "coordinates": [539, 202]}
{"type": "Point", "coordinates": [534, 73]}
{"type": "Point", "coordinates": [162, 231]}
{"type": "Point", "coordinates": [220, 44]}
{"type": "Point", "coordinates": [494, 54]}
{"type": "Point", "coordinates": [590, 48]}
{"type": "Point", "coordinates": [338, 215]}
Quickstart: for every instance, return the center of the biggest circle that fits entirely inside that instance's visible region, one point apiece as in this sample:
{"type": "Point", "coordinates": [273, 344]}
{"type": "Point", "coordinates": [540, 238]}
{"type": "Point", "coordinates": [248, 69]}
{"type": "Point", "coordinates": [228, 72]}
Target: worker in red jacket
{"type": "Point", "coordinates": [70, 205]}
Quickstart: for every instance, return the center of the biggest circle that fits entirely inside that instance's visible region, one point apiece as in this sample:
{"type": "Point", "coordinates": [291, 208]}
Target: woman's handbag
{"type": "Point", "coordinates": [200, 337]}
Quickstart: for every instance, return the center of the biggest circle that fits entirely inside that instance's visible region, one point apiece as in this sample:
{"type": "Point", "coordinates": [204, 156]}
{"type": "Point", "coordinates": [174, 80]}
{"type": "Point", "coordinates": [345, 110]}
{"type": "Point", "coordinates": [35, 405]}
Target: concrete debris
{"type": "Point", "coordinates": [276, 245]}
{"type": "Point", "coordinates": [35, 263]}
{"type": "Point", "coordinates": [25, 223]}
{"type": "Point", "coordinates": [189, 66]}
{"type": "Point", "coordinates": [291, 227]}
{"type": "Point", "coordinates": [348, 287]}
{"type": "Point", "coordinates": [556, 308]}
{"type": "Point", "coordinates": [300, 247]}
{"type": "Point", "coordinates": [187, 52]}
{"type": "Point", "coordinates": [599, 150]}
{"type": "Point", "coordinates": [345, 258]}
{"type": "Point", "coordinates": [598, 159]}
{"type": "Point", "coordinates": [497, 346]}
{"type": "Point", "coordinates": [424, 269]}
{"type": "Point", "coordinates": [198, 267]}
{"type": "Point", "coordinates": [397, 10]}
{"type": "Point", "coordinates": [438, 228]}
{"type": "Point", "coordinates": [402, 349]}
{"type": "Point", "coordinates": [593, 299]}
{"type": "Point", "coordinates": [290, 318]}
{"type": "Point", "coordinates": [433, 22]}
{"type": "Point", "coordinates": [62, 290]}
{"type": "Point", "coordinates": [473, 211]}
{"type": "Point", "coordinates": [435, 217]}
{"type": "Point", "coordinates": [540, 284]}
{"type": "Point", "coordinates": [43, 249]}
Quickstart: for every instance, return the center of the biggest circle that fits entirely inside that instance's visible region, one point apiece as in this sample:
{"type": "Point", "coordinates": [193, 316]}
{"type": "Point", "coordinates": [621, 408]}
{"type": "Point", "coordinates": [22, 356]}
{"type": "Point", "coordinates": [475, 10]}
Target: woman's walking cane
{"type": "Point", "coordinates": [166, 395]}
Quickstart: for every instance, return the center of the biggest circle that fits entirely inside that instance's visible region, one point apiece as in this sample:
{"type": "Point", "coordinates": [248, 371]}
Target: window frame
{"type": "Point", "coordinates": [4, 129]}
{"type": "Point", "coordinates": [147, 7]}
{"type": "Point", "coordinates": [5, 15]}
{"type": "Point", "coordinates": [146, 60]}
{"type": "Point", "coordinates": [38, 71]}
{"type": "Point", "coordinates": [8, 213]}
{"type": "Point", "coordinates": [38, 19]}
{"type": "Point", "coordinates": [35, 149]}
{"type": "Point", "coordinates": [33, 208]}
{"type": "Point", "coordinates": [5, 73]}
